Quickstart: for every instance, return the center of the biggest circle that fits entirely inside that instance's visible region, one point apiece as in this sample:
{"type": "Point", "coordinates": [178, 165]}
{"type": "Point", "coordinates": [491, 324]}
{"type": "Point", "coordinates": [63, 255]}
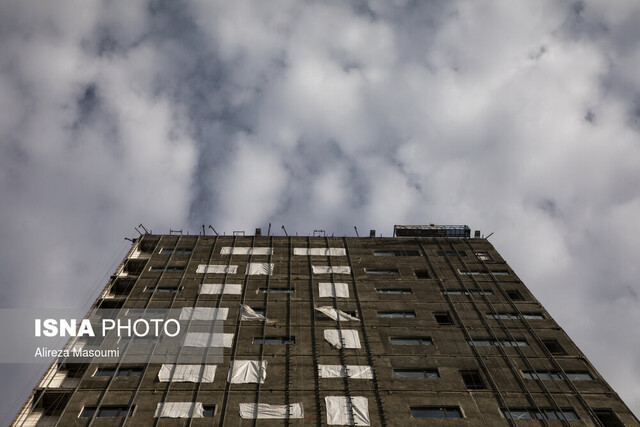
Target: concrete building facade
{"type": "Point", "coordinates": [430, 327]}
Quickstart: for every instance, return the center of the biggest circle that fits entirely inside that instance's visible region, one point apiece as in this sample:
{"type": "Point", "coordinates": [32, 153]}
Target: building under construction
{"type": "Point", "coordinates": [428, 326]}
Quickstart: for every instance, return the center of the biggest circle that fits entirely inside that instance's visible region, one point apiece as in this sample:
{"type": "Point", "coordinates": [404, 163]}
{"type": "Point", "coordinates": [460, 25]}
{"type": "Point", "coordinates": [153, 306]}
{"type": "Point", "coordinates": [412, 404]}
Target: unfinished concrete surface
{"type": "Point", "coordinates": [453, 336]}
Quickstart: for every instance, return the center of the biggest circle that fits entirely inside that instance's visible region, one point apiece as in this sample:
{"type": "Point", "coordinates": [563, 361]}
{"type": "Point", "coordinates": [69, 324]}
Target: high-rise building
{"type": "Point", "coordinates": [427, 325]}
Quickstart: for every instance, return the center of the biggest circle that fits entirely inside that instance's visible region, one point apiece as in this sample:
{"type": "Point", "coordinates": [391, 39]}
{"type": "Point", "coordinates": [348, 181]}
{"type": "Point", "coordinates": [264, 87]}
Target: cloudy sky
{"type": "Point", "coordinates": [519, 118]}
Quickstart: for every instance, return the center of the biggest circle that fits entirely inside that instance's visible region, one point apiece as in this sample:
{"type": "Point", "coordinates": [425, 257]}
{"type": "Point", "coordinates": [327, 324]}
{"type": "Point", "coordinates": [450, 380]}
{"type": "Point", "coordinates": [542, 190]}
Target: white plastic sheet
{"type": "Point", "coordinates": [203, 313]}
{"type": "Point", "coordinates": [320, 251]}
{"type": "Point", "coordinates": [245, 250]}
{"type": "Point", "coordinates": [249, 313]}
{"type": "Point", "coordinates": [247, 371]}
{"type": "Point", "coordinates": [325, 269]}
{"type": "Point", "coordinates": [187, 373]}
{"type": "Point", "coordinates": [338, 411]}
{"type": "Point", "coordinates": [339, 338]}
{"type": "Point", "coordinates": [358, 372]}
{"type": "Point", "coordinates": [179, 410]}
{"type": "Point", "coordinates": [336, 314]}
{"type": "Point", "coordinates": [264, 411]}
{"type": "Point", "coordinates": [216, 289]}
{"type": "Point", "coordinates": [330, 290]}
{"type": "Point", "coordinates": [200, 339]}
{"type": "Point", "coordinates": [259, 268]}
{"type": "Point", "coordinates": [217, 269]}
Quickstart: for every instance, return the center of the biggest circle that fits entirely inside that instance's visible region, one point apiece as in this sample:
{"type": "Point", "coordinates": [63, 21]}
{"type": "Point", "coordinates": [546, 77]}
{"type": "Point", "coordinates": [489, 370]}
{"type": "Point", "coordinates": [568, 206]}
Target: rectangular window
{"type": "Point", "coordinates": [482, 272]}
{"type": "Point", "coordinates": [396, 253]}
{"type": "Point", "coordinates": [452, 253]}
{"type": "Point", "coordinates": [392, 291]}
{"type": "Point", "coordinates": [484, 256]}
{"type": "Point", "coordinates": [106, 411]}
{"type": "Point", "coordinates": [397, 314]}
{"type": "Point", "coordinates": [472, 380]}
{"type": "Point", "coordinates": [208, 410]}
{"type": "Point", "coordinates": [515, 295]}
{"type": "Point", "coordinates": [555, 375]}
{"type": "Point", "coordinates": [161, 290]}
{"type": "Point", "coordinates": [579, 376]}
{"type": "Point", "coordinates": [436, 412]}
{"type": "Point", "coordinates": [422, 274]}
{"type": "Point", "coordinates": [105, 372]}
{"type": "Point", "coordinates": [463, 292]}
{"type": "Point", "coordinates": [608, 418]}
{"type": "Point", "coordinates": [177, 251]}
{"type": "Point", "coordinates": [554, 347]}
{"type": "Point", "coordinates": [382, 271]}
{"type": "Point", "coordinates": [276, 290]}
{"type": "Point", "coordinates": [532, 316]}
{"type": "Point", "coordinates": [542, 375]}
{"type": "Point", "coordinates": [528, 316]}
{"type": "Point", "coordinates": [411, 341]}
{"type": "Point", "coordinates": [542, 414]}
{"type": "Point", "coordinates": [443, 318]}
{"type": "Point", "coordinates": [168, 268]}
{"type": "Point", "coordinates": [500, 272]}
{"type": "Point", "coordinates": [503, 343]}
{"type": "Point", "coordinates": [274, 340]}
{"type": "Point", "coordinates": [122, 372]}
{"type": "Point", "coordinates": [416, 373]}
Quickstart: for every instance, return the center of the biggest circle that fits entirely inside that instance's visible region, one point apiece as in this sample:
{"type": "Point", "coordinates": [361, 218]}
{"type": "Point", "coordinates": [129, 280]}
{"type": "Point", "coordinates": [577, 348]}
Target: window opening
{"type": "Point", "coordinates": [422, 274]}
{"type": "Point", "coordinates": [554, 347]}
{"type": "Point", "coordinates": [472, 380]}
{"type": "Point", "coordinates": [443, 318]}
{"type": "Point", "coordinates": [435, 412]}
{"type": "Point", "coordinates": [416, 373]}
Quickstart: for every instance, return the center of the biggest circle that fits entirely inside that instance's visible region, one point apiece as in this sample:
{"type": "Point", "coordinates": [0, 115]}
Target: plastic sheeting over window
{"type": "Point", "coordinates": [249, 313]}
{"type": "Point", "coordinates": [338, 412]}
{"type": "Point", "coordinates": [245, 250]}
{"type": "Point", "coordinates": [203, 313]}
{"type": "Point", "coordinates": [336, 314]}
{"type": "Point", "coordinates": [359, 372]}
{"type": "Point", "coordinates": [259, 268]}
{"type": "Point", "coordinates": [187, 373]}
{"type": "Point", "coordinates": [264, 411]}
{"type": "Point", "coordinates": [216, 289]}
{"type": "Point", "coordinates": [330, 290]}
{"type": "Point", "coordinates": [324, 269]}
{"type": "Point", "coordinates": [179, 410]}
{"type": "Point", "coordinates": [247, 371]}
{"type": "Point", "coordinates": [320, 251]}
{"type": "Point", "coordinates": [217, 269]}
{"type": "Point", "coordinates": [339, 338]}
{"type": "Point", "coordinates": [202, 339]}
